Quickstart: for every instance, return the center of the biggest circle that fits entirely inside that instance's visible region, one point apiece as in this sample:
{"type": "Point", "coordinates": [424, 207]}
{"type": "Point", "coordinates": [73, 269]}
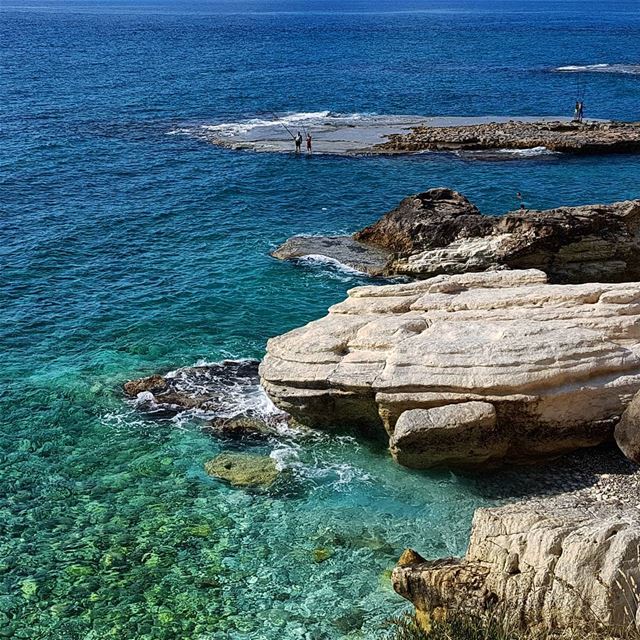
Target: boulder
{"type": "Point", "coordinates": [243, 469]}
{"type": "Point", "coordinates": [441, 232]}
{"type": "Point", "coordinates": [627, 431]}
{"type": "Point", "coordinates": [558, 363]}
{"type": "Point", "coordinates": [453, 435]}
{"type": "Point", "coordinates": [549, 568]}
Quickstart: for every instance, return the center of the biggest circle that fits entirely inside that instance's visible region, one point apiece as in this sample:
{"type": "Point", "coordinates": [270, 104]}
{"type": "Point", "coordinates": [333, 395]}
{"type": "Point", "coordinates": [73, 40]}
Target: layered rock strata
{"type": "Point", "coordinates": [545, 566]}
{"type": "Point", "coordinates": [440, 232]}
{"type": "Point", "coordinates": [565, 137]}
{"type": "Point", "coordinates": [533, 369]}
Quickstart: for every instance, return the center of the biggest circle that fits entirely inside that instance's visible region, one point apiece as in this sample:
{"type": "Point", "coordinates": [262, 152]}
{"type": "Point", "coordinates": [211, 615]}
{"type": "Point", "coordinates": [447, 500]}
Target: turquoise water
{"type": "Point", "coordinates": [126, 251]}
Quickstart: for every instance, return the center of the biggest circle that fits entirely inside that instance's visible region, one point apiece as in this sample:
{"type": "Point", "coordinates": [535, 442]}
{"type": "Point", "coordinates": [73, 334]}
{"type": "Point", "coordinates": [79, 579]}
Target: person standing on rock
{"type": "Point", "coordinates": [298, 141]}
{"type": "Point", "coordinates": [580, 111]}
{"type": "Point", "coordinates": [309, 143]}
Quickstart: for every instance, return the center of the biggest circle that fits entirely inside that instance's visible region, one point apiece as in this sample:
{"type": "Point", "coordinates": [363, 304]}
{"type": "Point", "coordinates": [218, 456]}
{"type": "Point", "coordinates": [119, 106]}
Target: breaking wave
{"type": "Point", "coordinates": [265, 124]}
{"type": "Point", "coordinates": [629, 69]}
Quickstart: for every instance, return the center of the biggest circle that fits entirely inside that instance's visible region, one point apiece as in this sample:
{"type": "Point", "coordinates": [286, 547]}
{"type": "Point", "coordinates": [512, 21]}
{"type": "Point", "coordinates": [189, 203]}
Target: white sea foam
{"type": "Point", "coordinates": [630, 69]}
{"type": "Point", "coordinates": [528, 153]}
{"type": "Point", "coordinates": [314, 259]}
{"type": "Point", "coordinates": [336, 474]}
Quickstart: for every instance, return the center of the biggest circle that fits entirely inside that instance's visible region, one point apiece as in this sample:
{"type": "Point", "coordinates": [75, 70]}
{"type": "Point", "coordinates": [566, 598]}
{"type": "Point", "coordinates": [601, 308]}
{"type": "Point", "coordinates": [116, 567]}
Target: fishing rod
{"type": "Point", "coordinates": [284, 125]}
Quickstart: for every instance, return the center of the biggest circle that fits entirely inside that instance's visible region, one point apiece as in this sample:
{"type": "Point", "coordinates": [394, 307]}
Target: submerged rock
{"type": "Point", "coordinates": [242, 426]}
{"type": "Point", "coordinates": [441, 232]}
{"type": "Point", "coordinates": [552, 568]}
{"type": "Point", "coordinates": [243, 469]}
{"type": "Point", "coordinates": [558, 364]}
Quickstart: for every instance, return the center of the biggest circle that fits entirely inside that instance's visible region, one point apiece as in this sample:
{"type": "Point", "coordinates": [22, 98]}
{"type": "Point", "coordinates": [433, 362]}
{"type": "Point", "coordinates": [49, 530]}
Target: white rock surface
{"type": "Point", "coordinates": [554, 568]}
{"type": "Point", "coordinates": [559, 363]}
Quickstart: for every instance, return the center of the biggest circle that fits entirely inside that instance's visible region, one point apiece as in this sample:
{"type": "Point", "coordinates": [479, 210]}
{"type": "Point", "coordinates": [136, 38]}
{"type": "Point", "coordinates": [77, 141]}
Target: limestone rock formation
{"type": "Point", "coordinates": [558, 363]}
{"type": "Point", "coordinates": [558, 136]}
{"type": "Point", "coordinates": [458, 434]}
{"type": "Point", "coordinates": [441, 232]}
{"type": "Point", "coordinates": [552, 568]}
{"type": "Point", "coordinates": [627, 432]}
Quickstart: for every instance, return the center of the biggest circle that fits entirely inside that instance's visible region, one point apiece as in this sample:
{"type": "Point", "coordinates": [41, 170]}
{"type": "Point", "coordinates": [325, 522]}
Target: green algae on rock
{"type": "Point", "coordinates": [243, 469]}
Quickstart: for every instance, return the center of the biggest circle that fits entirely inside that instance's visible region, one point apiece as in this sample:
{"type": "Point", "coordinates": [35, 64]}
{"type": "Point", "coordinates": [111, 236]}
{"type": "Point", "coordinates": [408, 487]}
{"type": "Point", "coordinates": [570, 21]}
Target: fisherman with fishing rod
{"type": "Point", "coordinates": [297, 139]}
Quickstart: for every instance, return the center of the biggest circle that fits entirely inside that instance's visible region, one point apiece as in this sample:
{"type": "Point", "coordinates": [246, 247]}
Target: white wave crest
{"type": "Point", "coordinates": [314, 259]}
{"type": "Point", "coordinates": [528, 153]}
{"type": "Point", "coordinates": [630, 69]}
{"type": "Point", "coordinates": [336, 474]}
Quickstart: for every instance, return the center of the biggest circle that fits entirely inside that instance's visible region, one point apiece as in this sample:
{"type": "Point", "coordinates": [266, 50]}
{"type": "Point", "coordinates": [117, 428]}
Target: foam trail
{"type": "Point", "coordinates": [325, 261]}
{"type": "Point", "coordinates": [628, 69]}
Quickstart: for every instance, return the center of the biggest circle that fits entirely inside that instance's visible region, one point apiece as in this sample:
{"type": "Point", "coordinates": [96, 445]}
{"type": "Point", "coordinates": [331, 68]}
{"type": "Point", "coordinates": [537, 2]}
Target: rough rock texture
{"type": "Point", "coordinates": [244, 425]}
{"type": "Point", "coordinates": [627, 432]}
{"type": "Point", "coordinates": [552, 567]}
{"type": "Point", "coordinates": [441, 232]}
{"type": "Point", "coordinates": [243, 469]}
{"type": "Point", "coordinates": [566, 137]}
{"type": "Point", "coordinates": [456, 434]}
{"type": "Point", "coordinates": [559, 363]}
{"type": "Point", "coordinates": [342, 249]}
{"type": "Point", "coordinates": [433, 218]}
{"type": "Point", "coordinates": [210, 387]}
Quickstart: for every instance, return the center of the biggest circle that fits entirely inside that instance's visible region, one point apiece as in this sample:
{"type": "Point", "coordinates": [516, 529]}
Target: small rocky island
{"type": "Point", "coordinates": [558, 136]}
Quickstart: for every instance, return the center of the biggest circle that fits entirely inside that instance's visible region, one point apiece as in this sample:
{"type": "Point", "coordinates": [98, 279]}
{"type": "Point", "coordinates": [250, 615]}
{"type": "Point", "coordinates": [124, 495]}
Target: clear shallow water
{"type": "Point", "coordinates": [126, 251]}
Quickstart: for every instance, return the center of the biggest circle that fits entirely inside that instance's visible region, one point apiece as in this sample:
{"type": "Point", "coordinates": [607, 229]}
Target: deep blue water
{"type": "Point", "coordinates": [125, 251]}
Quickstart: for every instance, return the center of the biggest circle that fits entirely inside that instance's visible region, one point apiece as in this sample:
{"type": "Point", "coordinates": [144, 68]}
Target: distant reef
{"type": "Point", "coordinates": [441, 232]}
{"type": "Point", "coordinates": [594, 137]}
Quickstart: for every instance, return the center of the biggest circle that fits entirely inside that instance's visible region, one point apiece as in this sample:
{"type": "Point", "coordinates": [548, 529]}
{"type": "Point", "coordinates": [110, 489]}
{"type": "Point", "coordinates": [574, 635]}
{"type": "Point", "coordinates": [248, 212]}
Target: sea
{"type": "Point", "coordinates": [130, 245]}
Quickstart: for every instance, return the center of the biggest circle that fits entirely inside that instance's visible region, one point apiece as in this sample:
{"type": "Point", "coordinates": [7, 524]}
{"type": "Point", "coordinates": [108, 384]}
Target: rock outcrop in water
{"type": "Point", "coordinates": [441, 232]}
{"type": "Point", "coordinates": [546, 567]}
{"type": "Point", "coordinates": [225, 394]}
{"type": "Point", "coordinates": [243, 469]}
{"type": "Point", "coordinates": [534, 369]}
{"type": "Point", "coordinates": [565, 137]}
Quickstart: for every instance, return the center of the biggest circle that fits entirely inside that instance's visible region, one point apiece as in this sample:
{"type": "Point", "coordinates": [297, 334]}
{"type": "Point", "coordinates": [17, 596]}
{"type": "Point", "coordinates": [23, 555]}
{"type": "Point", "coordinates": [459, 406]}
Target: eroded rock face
{"type": "Point", "coordinates": [558, 363]}
{"type": "Point", "coordinates": [455, 434]}
{"type": "Point", "coordinates": [551, 568]}
{"type": "Point", "coordinates": [433, 218]}
{"type": "Point", "coordinates": [441, 232]}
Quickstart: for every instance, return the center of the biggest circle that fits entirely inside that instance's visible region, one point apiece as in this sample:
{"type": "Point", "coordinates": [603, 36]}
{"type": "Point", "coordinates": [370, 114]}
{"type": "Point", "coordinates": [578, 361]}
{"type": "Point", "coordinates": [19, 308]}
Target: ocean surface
{"type": "Point", "coordinates": [129, 246]}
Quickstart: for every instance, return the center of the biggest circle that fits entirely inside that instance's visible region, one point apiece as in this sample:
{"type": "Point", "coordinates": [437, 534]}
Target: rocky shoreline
{"type": "Point", "coordinates": [559, 136]}
{"type": "Point", "coordinates": [517, 342]}
{"type": "Point", "coordinates": [441, 232]}
{"type": "Point", "coordinates": [563, 558]}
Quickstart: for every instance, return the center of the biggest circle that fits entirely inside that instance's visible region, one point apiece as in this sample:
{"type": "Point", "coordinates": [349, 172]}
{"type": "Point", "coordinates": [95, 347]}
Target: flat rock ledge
{"type": "Point", "coordinates": [553, 565]}
{"type": "Point", "coordinates": [559, 136]}
{"type": "Point", "coordinates": [466, 370]}
{"type": "Point", "coordinates": [441, 232]}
